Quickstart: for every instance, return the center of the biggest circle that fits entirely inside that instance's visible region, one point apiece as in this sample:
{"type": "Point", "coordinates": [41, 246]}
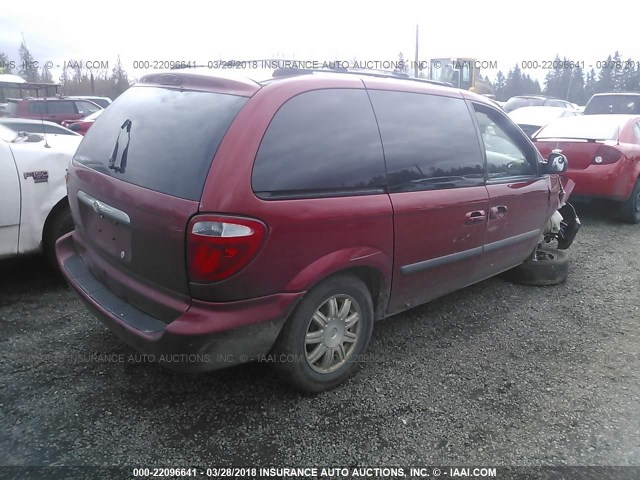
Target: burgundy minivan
{"type": "Point", "coordinates": [220, 220]}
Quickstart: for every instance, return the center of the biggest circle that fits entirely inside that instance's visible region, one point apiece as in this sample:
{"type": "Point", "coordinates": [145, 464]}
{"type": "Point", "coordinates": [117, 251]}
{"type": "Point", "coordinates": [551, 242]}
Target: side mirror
{"type": "Point", "coordinates": [557, 162]}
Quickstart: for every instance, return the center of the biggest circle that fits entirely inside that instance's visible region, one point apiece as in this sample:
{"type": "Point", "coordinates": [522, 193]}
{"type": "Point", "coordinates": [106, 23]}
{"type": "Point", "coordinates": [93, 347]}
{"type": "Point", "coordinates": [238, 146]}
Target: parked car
{"type": "Point", "coordinates": [35, 211]}
{"type": "Point", "coordinates": [50, 109]}
{"type": "Point", "coordinates": [104, 102]}
{"type": "Point", "coordinates": [604, 157]}
{"type": "Point", "coordinates": [613, 103]}
{"type": "Point", "coordinates": [220, 220]}
{"type": "Point", "coordinates": [520, 101]}
{"type": "Point", "coordinates": [84, 124]}
{"type": "Point", "coordinates": [531, 119]}
{"type": "Point", "coordinates": [18, 125]}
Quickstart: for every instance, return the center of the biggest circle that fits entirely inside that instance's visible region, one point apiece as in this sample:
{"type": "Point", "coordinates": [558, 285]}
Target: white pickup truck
{"type": "Point", "coordinates": [33, 192]}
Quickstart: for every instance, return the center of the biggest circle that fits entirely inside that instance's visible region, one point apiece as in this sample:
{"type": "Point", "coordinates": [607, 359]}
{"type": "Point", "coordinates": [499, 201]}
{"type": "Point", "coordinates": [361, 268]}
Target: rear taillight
{"type": "Point", "coordinates": [219, 247]}
{"type": "Point", "coordinates": [607, 155]}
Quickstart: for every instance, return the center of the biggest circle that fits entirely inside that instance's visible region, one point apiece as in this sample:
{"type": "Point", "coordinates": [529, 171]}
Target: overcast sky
{"type": "Point", "coordinates": [505, 32]}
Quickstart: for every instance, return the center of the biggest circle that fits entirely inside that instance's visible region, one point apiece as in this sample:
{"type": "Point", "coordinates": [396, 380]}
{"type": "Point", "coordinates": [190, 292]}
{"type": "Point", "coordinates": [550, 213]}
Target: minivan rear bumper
{"type": "Point", "coordinates": [208, 336]}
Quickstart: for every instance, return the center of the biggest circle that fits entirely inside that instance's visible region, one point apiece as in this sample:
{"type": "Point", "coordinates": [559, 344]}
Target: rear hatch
{"type": "Point", "coordinates": [136, 180]}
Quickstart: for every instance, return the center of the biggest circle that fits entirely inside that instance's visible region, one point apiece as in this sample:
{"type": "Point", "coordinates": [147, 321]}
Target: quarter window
{"type": "Point", "coordinates": [429, 141]}
{"type": "Point", "coordinates": [321, 143]}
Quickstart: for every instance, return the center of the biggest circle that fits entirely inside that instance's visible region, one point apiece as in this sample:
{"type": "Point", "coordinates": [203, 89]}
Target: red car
{"type": "Point", "coordinates": [604, 157]}
{"type": "Point", "coordinates": [84, 124]}
{"type": "Point", "coordinates": [220, 220]}
{"type": "Point", "coordinates": [50, 109]}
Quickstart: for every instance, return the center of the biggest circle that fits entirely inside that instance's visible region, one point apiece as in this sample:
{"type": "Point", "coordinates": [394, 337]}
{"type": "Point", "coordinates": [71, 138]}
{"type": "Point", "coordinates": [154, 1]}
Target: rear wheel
{"type": "Point", "coordinates": [550, 267]}
{"type": "Point", "coordinates": [630, 209]}
{"type": "Point", "coordinates": [321, 343]}
{"type": "Point", "coordinates": [59, 224]}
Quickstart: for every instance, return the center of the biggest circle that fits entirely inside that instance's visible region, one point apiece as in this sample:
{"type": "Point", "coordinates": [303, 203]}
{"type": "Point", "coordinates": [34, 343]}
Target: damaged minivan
{"type": "Point", "coordinates": [219, 218]}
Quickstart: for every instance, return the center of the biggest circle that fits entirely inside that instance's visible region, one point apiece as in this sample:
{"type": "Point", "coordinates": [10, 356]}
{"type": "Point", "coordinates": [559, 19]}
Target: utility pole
{"type": "Point", "coordinates": [415, 63]}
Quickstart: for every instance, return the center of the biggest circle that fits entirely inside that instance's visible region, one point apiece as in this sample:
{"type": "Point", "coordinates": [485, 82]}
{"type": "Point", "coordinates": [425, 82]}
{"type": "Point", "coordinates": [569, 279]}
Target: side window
{"type": "Point", "coordinates": [507, 152]}
{"type": "Point", "coordinates": [429, 141]}
{"type": "Point", "coordinates": [37, 107]}
{"type": "Point", "coordinates": [321, 143]}
{"type": "Point", "coordinates": [62, 107]}
{"type": "Point", "coordinates": [637, 130]}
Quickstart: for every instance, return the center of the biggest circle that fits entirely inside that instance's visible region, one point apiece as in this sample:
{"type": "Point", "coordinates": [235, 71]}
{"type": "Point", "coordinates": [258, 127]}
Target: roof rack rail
{"type": "Point", "coordinates": [284, 72]}
{"type": "Point", "coordinates": [331, 67]}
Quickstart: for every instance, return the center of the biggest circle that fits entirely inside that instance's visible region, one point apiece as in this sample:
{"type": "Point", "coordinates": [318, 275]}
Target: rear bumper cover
{"type": "Point", "coordinates": [207, 336]}
{"type": "Point", "coordinates": [601, 181]}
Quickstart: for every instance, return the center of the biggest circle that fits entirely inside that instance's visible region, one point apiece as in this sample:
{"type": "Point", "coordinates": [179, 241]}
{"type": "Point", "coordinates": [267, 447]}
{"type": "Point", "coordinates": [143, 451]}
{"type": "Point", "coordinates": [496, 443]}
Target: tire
{"type": "Point", "coordinates": [59, 224]}
{"type": "Point", "coordinates": [630, 209]}
{"type": "Point", "coordinates": [305, 365]}
{"type": "Point", "coordinates": [551, 268]}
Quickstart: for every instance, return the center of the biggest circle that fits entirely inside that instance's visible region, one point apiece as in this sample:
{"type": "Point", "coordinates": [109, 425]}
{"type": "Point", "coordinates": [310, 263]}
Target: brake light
{"type": "Point", "coordinates": [607, 155]}
{"type": "Point", "coordinates": [219, 247]}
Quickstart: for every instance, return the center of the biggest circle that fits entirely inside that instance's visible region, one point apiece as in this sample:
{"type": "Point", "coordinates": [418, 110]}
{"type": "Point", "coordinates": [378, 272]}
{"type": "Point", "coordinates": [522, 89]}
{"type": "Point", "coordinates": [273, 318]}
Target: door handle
{"type": "Point", "coordinates": [497, 212]}
{"type": "Point", "coordinates": [477, 216]}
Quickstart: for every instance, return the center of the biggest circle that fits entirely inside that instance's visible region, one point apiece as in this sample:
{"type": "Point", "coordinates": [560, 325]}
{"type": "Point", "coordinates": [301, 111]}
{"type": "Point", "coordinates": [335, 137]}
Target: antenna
{"type": "Point", "coordinates": [44, 130]}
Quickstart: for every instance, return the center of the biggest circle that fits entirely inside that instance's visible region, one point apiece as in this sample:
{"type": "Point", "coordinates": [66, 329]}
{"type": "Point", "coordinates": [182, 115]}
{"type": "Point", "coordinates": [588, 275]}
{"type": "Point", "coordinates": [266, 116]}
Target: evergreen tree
{"type": "Point", "coordinates": [119, 78]}
{"type": "Point", "coordinates": [605, 78]}
{"type": "Point", "coordinates": [28, 67]}
{"type": "Point", "coordinates": [46, 76]}
{"type": "Point", "coordinates": [5, 63]}
{"type": "Point", "coordinates": [500, 86]}
{"type": "Point", "coordinates": [590, 84]}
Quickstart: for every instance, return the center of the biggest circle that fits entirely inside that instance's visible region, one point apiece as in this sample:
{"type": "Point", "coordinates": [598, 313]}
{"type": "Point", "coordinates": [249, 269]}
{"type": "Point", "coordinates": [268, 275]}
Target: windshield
{"type": "Point", "coordinates": [587, 128]}
{"type": "Point", "coordinates": [608, 104]}
{"type": "Point", "coordinates": [160, 138]}
{"type": "Point", "coordinates": [519, 102]}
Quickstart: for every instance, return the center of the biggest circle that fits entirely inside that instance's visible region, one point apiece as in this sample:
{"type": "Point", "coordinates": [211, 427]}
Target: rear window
{"type": "Point", "coordinates": [159, 138]}
{"type": "Point", "coordinates": [604, 104]}
{"type": "Point", "coordinates": [581, 127]}
{"type": "Point", "coordinates": [518, 102]}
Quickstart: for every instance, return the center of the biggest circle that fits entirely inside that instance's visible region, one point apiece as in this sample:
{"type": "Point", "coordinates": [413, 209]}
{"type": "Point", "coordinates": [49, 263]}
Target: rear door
{"type": "Point", "coordinates": [436, 185]}
{"type": "Point", "coordinates": [137, 179]}
{"type": "Point", "coordinates": [519, 198]}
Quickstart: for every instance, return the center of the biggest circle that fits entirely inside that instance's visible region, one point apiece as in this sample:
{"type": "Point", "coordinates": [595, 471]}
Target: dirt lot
{"type": "Point", "coordinates": [496, 374]}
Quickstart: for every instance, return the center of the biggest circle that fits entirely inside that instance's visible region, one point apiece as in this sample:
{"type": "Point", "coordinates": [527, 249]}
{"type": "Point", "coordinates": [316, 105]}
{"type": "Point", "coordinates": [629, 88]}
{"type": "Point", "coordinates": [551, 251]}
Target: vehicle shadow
{"type": "Point", "coordinates": [604, 211]}
{"type": "Point", "coordinates": [26, 274]}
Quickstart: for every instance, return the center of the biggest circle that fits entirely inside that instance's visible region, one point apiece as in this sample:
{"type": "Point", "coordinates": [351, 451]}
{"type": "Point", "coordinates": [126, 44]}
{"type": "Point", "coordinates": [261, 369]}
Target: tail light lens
{"type": "Point", "coordinates": [219, 246]}
{"type": "Point", "coordinates": [607, 155]}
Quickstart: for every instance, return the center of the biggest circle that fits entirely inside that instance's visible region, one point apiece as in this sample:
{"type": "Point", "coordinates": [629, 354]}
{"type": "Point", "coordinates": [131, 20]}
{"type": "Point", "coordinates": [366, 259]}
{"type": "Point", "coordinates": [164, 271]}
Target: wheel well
{"type": "Point", "coordinates": [374, 282]}
{"type": "Point", "coordinates": [57, 208]}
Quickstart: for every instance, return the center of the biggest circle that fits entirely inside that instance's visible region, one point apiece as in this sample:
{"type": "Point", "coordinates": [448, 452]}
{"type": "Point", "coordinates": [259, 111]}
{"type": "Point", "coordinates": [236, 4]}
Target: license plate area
{"type": "Point", "coordinates": [106, 227]}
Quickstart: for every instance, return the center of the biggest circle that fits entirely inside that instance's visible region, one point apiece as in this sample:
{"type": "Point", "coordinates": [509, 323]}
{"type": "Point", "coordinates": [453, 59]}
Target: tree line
{"type": "Point", "coordinates": [76, 78]}
{"type": "Point", "coordinates": [568, 80]}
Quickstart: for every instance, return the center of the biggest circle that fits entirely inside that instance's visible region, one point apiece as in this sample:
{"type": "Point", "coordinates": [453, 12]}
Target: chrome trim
{"type": "Point", "coordinates": [103, 208]}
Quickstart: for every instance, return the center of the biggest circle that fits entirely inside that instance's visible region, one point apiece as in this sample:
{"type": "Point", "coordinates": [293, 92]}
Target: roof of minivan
{"type": "Point", "coordinates": [246, 82]}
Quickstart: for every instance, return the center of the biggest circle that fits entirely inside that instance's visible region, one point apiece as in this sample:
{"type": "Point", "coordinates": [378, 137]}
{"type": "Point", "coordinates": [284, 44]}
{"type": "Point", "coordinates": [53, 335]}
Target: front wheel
{"type": "Point", "coordinates": [630, 209]}
{"type": "Point", "coordinates": [548, 267]}
{"type": "Point", "coordinates": [322, 342]}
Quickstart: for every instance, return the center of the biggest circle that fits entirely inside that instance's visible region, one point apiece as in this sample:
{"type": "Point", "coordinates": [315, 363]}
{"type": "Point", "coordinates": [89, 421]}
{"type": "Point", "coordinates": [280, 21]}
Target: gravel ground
{"type": "Point", "coordinates": [495, 374]}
